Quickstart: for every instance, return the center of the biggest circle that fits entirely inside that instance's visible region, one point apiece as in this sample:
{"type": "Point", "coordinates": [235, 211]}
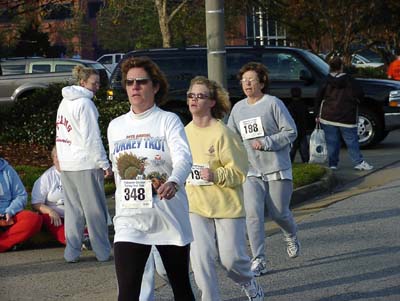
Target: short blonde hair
{"type": "Point", "coordinates": [82, 73]}
{"type": "Point", "coordinates": [217, 93]}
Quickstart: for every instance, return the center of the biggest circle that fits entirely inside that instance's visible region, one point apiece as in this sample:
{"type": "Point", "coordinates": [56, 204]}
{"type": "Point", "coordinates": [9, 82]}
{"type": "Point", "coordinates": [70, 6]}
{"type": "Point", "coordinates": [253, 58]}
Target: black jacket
{"type": "Point", "coordinates": [341, 95]}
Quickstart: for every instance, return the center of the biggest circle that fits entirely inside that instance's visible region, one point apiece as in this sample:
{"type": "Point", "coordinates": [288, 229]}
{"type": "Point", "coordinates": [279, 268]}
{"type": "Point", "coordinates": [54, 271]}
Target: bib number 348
{"type": "Point", "coordinates": [136, 194]}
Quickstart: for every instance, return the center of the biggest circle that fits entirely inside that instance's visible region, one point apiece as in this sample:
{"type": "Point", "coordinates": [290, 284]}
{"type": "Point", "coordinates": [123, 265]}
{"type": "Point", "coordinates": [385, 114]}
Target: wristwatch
{"type": "Point", "coordinates": [176, 186]}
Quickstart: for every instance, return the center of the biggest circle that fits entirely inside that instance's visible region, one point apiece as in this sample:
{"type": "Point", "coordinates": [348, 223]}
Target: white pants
{"type": "Point", "coordinates": [223, 237]}
{"type": "Point", "coordinates": [276, 196]}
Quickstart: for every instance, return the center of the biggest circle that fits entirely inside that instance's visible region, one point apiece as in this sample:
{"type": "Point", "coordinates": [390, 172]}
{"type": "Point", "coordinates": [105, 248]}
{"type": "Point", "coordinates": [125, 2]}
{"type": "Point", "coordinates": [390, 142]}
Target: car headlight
{"type": "Point", "coordinates": [110, 94]}
{"type": "Point", "coordinates": [394, 98]}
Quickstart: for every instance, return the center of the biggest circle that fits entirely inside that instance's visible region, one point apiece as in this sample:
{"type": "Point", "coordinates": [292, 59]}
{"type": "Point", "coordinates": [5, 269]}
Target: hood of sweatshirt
{"type": "Point", "coordinates": [3, 164]}
{"type": "Point", "coordinates": [337, 80]}
{"type": "Point", "coordinates": [75, 92]}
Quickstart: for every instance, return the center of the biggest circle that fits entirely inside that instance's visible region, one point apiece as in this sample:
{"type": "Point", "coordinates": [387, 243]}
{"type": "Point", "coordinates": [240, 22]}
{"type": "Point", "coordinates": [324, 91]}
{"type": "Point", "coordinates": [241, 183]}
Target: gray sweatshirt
{"type": "Point", "coordinates": [277, 133]}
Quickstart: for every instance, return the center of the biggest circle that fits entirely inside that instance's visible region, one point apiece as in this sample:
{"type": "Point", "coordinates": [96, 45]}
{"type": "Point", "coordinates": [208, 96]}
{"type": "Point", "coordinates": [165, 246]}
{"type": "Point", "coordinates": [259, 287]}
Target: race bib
{"type": "Point", "coordinates": [251, 128]}
{"type": "Point", "coordinates": [136, 194]}
{"type": "Point", "coordinates": [194, 176]}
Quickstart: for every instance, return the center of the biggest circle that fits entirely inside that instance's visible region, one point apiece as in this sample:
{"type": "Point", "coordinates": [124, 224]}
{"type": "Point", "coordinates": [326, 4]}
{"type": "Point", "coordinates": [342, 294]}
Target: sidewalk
{"type": "Point", "coordinates": [43, 274]}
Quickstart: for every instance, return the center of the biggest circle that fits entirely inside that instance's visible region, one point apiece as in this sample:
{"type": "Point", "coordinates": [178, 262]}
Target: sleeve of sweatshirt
{"type": "Point", "coordinates": [19, 196]}
{"type": "Point", "coordinates": [287, 131]}
{"type": "Point", "coordinates": [180, 151]}
{"type": "Point", "coordinates": [90, 132]}
{"type": "Point", "coordinates": [233, 157]}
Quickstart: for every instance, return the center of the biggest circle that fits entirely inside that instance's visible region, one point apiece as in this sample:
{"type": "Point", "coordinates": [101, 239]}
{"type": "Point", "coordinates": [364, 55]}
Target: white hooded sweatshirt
{"type": "Point", "coordinates": [78, 140]}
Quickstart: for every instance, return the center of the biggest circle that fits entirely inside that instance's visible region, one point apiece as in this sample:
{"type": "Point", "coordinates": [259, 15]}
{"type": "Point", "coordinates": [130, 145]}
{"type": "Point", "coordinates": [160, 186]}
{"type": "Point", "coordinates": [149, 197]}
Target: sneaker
{"type": "Point", "coordinates": [363, 166]}
{"type": "Point", "coordinates": [86, 245]}
{"type": "Point", "coordinates": [259, 267]}
{"type": "Point", "coordinates": [333, 167]}
{"type": "Point", "coordinates": [293, 246]}
{"type": "Point", "coordinates": [253, 291]}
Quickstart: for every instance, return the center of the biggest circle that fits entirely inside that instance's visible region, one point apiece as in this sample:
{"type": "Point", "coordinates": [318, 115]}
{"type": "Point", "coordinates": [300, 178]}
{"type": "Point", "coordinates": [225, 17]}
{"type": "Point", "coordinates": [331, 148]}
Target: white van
{"type": "Point", "coordinates": [110, 60]}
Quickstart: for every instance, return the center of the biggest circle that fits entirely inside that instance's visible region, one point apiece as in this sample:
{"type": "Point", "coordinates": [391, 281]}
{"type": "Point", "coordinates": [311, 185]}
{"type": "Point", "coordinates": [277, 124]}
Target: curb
{"type": "Point", "coordinates": [305, 193]}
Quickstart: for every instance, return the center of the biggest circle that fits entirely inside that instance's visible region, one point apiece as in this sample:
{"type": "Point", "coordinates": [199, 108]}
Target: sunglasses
{"type": "Point", "coordinates": [141, 81]}
{"type": "Point", "coordinates": [197, 96]}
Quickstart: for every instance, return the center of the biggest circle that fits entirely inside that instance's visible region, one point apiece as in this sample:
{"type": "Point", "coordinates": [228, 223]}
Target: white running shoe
{"type": "Point", "coordinates": [293, 246]}
{"type": "Point", "coordinates": [363, 166]}
{"type": "Point", "coordinates": [253, 291]}
{"type": "Point", "coordinates": [259, 267]}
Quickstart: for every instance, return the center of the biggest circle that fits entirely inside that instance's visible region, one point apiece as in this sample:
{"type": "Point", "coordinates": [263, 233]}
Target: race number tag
{"type": "Point", "coordinates": [194, 176]}
{"type": "Point", "coordinates": [251, 128]}
{"type": "Point", "coordinates": [136, 194]}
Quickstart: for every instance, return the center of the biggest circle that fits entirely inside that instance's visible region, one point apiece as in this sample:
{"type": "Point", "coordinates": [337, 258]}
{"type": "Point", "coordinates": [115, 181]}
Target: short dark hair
{"type": "Point", "coordinates": [335, 64]}
{"type": "Point", "coordinates": [260, 69]}
{"type": "Point", "coordinates": [152, 69]}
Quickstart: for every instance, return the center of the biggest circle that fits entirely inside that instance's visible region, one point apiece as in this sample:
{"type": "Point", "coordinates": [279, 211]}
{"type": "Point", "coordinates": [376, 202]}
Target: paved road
{"type": "Point", "coordinates": [350, 238]}
{"type": "Point", "coordinates": [351, 248]}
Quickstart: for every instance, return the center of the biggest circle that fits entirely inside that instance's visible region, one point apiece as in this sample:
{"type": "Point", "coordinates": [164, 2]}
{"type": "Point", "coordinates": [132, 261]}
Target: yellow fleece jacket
{"type": "Point", "coordinates": [223, 151]}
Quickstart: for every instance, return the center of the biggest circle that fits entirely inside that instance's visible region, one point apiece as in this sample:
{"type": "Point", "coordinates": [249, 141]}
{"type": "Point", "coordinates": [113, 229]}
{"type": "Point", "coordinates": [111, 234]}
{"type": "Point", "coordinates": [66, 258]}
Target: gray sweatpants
{"type": "Point", "coordinates": [223, 237]}
{"type": "Point", "coordinates": [276, 196]}
{"type": "Point", "coordinates": [85, 200]}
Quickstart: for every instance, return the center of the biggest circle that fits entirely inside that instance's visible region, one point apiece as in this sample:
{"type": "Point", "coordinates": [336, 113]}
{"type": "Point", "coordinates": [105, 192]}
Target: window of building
{"type": "Point", "coordinates": [58, 11]}
{"type": "Point", "coordinates": [93, 8]}
{"type": "Point", "coordinates": [263, 30]}
{"type": "Point", "coordinates": [5, 15]}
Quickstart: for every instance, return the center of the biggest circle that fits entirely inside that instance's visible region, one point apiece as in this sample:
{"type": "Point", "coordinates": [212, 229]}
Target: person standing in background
{"type": "Point", "coordinates": [83, 163]}
{"type": "Point", "coordinates": [336, 106]}
{"type": "Point", "coordinates": [215, 193]}
{"type": "Point", "coordinates": [393, 71]}
{"type": "Point", "coordinates": [267, 131]}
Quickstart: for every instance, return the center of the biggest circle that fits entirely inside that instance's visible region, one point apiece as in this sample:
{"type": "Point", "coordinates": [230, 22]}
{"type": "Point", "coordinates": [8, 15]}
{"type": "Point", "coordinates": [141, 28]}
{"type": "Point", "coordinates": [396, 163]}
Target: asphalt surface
{"type": "Point", "coordinates": [349, 230]}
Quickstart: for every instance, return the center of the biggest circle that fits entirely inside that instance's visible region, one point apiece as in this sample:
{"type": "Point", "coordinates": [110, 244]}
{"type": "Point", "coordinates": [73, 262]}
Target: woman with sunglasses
{"type": "Point", "coordinates": [267, 131]}
{"type": "Point", "coordinates": [215, 193]}
{"type": "Point", "coordinates": [151, 160]}
{"type": "Point", "coordinates": [83, 164]}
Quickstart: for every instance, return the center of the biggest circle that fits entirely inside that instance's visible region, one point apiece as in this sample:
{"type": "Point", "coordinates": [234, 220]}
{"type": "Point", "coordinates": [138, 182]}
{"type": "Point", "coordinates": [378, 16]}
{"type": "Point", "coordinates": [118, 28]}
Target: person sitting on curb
{"type": "Point", "coordinates": [16, 225]}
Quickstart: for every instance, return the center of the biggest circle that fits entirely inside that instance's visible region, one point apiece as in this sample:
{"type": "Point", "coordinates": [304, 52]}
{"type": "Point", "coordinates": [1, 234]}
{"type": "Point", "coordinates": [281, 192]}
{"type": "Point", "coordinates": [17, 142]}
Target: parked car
{"type": "Point", "coordinates": [110, 60]}
{"type": "Point", "coordinates": [288, 68]}
{"type": "Point", "coordinates": [19, 78]}
{"type": "Point", "coordinates": [360, 61]}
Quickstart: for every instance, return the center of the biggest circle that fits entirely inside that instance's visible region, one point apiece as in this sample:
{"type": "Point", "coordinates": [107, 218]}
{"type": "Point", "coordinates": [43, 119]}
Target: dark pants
{"type": "Point", "coordinates": [301, 144]}
{"type": "Point", "coordinates": [130, 261]}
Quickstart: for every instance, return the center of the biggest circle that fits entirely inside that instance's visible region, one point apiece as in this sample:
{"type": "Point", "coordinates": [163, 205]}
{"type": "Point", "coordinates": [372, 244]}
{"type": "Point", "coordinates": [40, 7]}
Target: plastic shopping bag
{"type": "Point", "coordinates": [318, 150]}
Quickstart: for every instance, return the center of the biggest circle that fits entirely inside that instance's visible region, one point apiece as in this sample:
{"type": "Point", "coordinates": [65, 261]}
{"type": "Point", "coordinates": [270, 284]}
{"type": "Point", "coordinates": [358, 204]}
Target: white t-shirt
{"type": "Point", "coordinates": [48, 190]}
{"type": "Point", "coordinates": [158, 141]}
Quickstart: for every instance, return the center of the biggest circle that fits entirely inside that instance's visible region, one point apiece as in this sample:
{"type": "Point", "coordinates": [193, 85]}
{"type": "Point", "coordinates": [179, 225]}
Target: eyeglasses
{"type": "Point", "coordinates": [141, 81]}
{"type": "Point", "coordinates": [248, 80]}
{"type": "Point", "coordinates": [197, 96]}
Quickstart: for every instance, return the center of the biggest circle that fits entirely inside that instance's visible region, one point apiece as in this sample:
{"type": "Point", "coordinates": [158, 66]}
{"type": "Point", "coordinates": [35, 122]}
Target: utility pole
{"type": "Point", "coordinates": [216, 53]}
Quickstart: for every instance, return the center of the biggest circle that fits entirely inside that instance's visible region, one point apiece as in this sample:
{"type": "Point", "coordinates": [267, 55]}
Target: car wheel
{"type": "Point", "coordinates": [370, 128]}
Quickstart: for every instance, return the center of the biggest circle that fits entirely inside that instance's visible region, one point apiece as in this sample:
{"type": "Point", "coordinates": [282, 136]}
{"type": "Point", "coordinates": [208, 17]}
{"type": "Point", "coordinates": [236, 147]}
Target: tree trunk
{"type": "Point", "coordinates": [161, 6]}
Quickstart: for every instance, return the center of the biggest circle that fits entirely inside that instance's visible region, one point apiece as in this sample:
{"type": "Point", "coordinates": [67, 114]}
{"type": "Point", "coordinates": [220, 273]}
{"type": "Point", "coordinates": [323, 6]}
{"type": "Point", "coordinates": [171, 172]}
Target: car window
{"type": "Point", "coordinates": [283, 66]}
{"type": "Point", "coordinates": [118, 57]}
{"type": "Point", "coordinates": [13, 69]}
{"type": "Point", "coordinates": [41, 68]}
{"type": "Point", "coordinates": [64, 68]}
{"type": "Point", "coordinates": [106, 59]}
{"type": "Point", "coordinates": [235, 61]}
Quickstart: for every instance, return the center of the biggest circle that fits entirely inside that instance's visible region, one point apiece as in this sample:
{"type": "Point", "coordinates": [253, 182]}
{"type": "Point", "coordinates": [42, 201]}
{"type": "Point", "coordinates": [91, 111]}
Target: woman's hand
{"type": "Point", "coordinates": [167, 190]}
{"type": "Point", "coordinates": [257, 145]}
{"type": "Point", "coordinates": [207, 174]}
{"type": "Point", "coordinates": [108, 173]}
{"type": "Point", "coordinates": [55, 219]}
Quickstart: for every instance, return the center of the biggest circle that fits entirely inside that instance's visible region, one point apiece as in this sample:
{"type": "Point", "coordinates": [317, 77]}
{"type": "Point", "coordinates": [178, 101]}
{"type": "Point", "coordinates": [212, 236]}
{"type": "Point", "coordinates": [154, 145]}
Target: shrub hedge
{"type": "Point", "coordinates": [33, 121]}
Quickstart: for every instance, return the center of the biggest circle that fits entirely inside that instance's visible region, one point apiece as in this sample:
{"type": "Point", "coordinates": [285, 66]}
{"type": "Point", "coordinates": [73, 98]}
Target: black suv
{"type": "Point", "coordinates": [288, 68]}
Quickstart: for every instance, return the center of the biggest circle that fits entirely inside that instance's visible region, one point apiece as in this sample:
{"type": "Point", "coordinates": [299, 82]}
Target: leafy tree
{"type": "Point", "coordinates": [32, 42]}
